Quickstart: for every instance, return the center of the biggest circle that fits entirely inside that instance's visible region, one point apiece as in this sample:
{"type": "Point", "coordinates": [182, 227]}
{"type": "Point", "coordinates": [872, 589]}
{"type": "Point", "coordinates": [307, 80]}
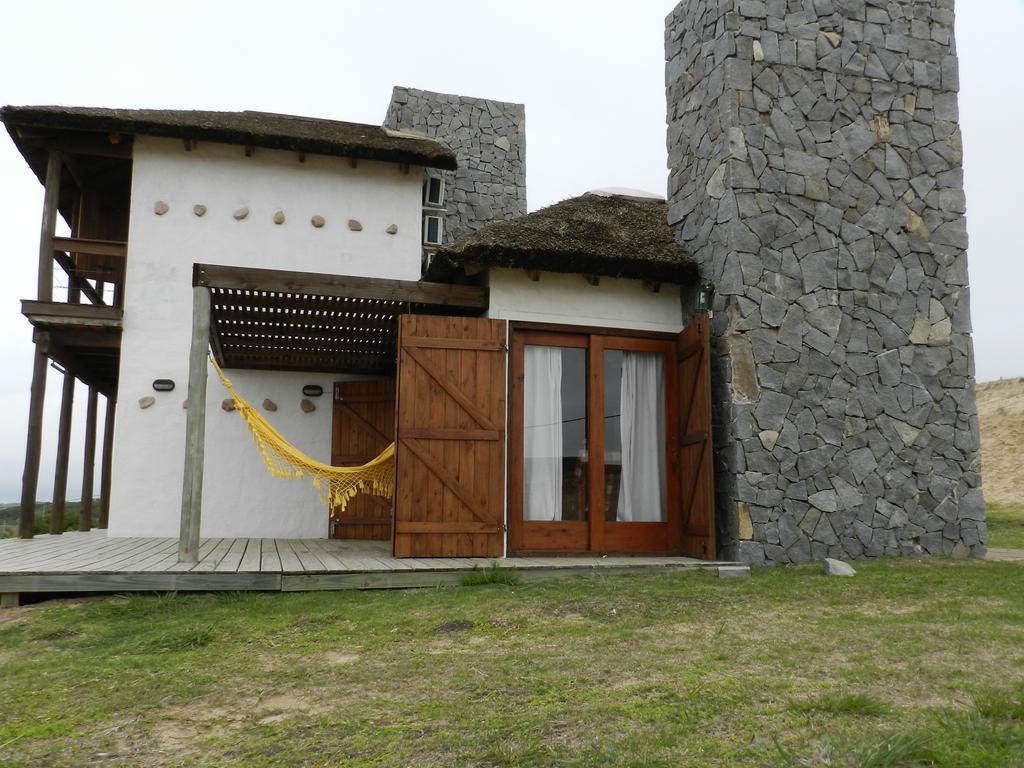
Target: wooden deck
{"type": "Point", "coordinates": [93, 562]}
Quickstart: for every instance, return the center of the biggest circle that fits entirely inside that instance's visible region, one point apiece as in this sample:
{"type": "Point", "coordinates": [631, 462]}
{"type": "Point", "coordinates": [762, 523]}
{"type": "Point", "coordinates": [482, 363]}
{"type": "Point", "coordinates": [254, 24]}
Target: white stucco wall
{"type": "Point", "coordinates": [571, 300]}
{"type": "Point", "coordinates": [240, 498]}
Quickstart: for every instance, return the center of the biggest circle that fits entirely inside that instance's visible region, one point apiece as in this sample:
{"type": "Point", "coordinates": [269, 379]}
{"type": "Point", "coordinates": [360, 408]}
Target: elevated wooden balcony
{"type": "Point", "coordinates": [84, 338]}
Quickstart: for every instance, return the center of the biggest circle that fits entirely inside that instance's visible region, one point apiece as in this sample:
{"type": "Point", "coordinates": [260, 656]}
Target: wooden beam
{"type": "Point", "coordinates": [34, 442]}
{"type": "Point", "coordinates": [48, 226]}
{"type": "Point", "coordinates": [64, 262]}
{"type": "Point", "coordinates": [344, 286]}
{"type": "Point", "coordinates": [106, 462]}
{"type": "Point", "coordinates": [90, 246]}
{"type": "Point", "coordinates": [195, 429]}
{"type": "Point", "coordinates": [89, 463]}
{"type": "Point", "coordinates": [60, 477]}
{"type": "Point", "coordinates": [110, 315]}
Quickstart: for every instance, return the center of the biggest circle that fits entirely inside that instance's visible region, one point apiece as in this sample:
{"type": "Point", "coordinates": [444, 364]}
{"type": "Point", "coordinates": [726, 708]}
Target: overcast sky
{"type": "Point", "coordinates": [590, 73]}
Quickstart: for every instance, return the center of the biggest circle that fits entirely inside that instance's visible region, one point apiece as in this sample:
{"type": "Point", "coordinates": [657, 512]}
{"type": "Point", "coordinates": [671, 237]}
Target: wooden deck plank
{"type": "Point", "coordinates": [165, 553]}
{"type": "Point", "coordinates": [205, 546]}
{"type": "Point", "coordinates": [131, 559]}
{"type": "Point", "coordinates": [212, 560]}
{"type": "Point", "coordinates": [290, 563]}
{"type": "Point", "coordinates": [330, 560]}
{"type": "Point", "coordinates": [250, 562]}
{"type": "Point", "coordinates": [310, 562]}
{"type": "Point", "coordinates": [233, 558]}
{"type": "Point", "coordinates": [38, 551]}
{"type": "Point", "coordinates": [82, 558]}
{"type": "Point", "coordinates": [270, 560]}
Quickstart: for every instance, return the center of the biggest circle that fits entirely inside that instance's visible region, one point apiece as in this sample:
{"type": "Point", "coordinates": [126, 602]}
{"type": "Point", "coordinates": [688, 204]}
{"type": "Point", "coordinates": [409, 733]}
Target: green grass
{"type": "Point", "coordinates": [72, 509]}
{"type": "Point", "coordinates": [1005, 525]}
{"type": "Point", "coordinates": [907, 664]}
{"type": "Point", "coordinates": [495, 574]}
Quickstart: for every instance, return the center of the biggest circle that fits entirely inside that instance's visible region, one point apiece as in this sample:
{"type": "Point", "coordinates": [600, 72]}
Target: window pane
{"type": "Point", "coordinates": [554, 433]}
{"type": "Point", "coordinates": [634, 436]}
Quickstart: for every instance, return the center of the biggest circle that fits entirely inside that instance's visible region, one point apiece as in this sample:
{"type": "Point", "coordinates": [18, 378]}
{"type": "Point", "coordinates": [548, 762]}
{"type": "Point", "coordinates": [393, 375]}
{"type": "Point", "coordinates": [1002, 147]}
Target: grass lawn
{"type": "Point", "coordinates": [1005, 524]}
{"type": "Point", "coordinates": [907, 664]}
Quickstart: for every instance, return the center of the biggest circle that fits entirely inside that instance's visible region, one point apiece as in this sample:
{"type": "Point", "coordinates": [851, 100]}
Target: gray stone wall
{"type": "Point", "coordinates": [815, 174]}
{"type": "Point", "coordinates": [489, 139]}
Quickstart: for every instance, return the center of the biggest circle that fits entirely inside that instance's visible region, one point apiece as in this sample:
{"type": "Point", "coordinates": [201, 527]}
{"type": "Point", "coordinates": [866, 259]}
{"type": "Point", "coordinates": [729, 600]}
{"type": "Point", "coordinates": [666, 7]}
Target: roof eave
{"type": "Point", "coordinates": [15, 117]}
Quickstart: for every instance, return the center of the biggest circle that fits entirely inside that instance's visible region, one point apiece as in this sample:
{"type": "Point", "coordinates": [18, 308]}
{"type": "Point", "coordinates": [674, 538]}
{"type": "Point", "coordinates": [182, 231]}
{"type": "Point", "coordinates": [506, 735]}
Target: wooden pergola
{"type": "Point", "coordinates": [277, 320]}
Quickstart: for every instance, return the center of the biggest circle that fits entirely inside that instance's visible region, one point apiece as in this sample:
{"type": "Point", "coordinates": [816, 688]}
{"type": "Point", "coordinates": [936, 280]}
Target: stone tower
{"type": "Point", "coordinates": [489, 140]}
{"type": "Point", "coordinates": [816, 175]}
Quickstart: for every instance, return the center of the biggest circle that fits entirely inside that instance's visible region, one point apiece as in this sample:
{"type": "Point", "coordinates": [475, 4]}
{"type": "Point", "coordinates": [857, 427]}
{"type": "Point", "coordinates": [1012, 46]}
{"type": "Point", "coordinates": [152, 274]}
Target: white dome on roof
{"type": "Point", "coordinates": [641, 194]}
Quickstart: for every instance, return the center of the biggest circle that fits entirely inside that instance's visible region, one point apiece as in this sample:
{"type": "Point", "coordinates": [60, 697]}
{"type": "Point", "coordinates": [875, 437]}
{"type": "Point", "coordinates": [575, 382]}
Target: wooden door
{"type": "Point", "coordinates": [695, 449]}
{"type": "Point", "coordinates": [450, 479]}
{"type": "Point", "coordinates": [364, 425]}
{"type": "Point", "coordinates": [585, 516]}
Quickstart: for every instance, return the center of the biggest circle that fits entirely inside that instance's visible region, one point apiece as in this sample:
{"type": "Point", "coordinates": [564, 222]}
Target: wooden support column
{"type": "Point", "coordinates": [89, 469]}
{"type": "Point", "coordinates": [34, 439]}
{"type": "Point", "coordinates": [195, 429]}
{"type": "Point", "coordinates": [48, 226]}
{"type": "Point", "coordinates": [60, 478]}
{"type": "Point", "coordinates": [106, 463]}
{"type": "Point", "coordinates": [34, 443]}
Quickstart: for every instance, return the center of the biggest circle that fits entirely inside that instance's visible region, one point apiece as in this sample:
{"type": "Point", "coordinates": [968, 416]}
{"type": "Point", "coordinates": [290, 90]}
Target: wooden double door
{"type": "Point", "coordinates": [447, 409]}
{"type": "Point", "coordinates": [610, 444]}
{"type": "Point", "coordinates": [609, 440]}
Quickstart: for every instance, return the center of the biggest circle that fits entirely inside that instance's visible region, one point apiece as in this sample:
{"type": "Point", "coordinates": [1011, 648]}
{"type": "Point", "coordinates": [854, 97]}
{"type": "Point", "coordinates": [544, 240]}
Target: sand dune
{"type": "Point", "coordinates": [1001, 413]}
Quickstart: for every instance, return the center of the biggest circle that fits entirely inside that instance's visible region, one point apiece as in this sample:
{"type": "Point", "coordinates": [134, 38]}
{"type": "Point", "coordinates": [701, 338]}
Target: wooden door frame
{"type": "Point", "coordinates": [594, 341]}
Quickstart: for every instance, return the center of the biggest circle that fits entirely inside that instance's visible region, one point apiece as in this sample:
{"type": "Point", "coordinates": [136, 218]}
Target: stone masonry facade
{"type": "Point", "coordinates": [816, 176]}
{"type": "Point", "coordinates": [488, 138]}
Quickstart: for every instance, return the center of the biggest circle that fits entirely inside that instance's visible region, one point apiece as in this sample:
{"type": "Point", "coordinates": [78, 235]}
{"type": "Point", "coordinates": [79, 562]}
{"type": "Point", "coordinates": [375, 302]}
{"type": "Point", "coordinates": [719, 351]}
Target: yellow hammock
{"type": "Point", "coordinates": [336, 484]}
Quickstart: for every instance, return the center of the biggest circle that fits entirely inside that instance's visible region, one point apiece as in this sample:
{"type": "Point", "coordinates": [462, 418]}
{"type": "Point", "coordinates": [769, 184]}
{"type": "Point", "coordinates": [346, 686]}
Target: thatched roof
{"type": "Point", "coordinates": [257, 129]}
{"type": "Point", "coordinates": [594, 234]}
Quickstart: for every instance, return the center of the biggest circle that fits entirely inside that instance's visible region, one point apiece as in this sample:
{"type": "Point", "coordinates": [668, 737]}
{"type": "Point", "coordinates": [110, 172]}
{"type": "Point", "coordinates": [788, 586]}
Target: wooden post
{"type": "Point", "coordinates": [34, 443]}
{"type": "Point", "coordinates": [60, 478]}
{"type": "Point", "coordinates": [34, 439]}
{"type": "Point", "coordinates": [105, 462]}
{"type": "Point", "coordinates": [195, 429]}
{"type": "Point", "coordinates": [48, 226]}
{"type": "Point", "coordinates": [89, 470]}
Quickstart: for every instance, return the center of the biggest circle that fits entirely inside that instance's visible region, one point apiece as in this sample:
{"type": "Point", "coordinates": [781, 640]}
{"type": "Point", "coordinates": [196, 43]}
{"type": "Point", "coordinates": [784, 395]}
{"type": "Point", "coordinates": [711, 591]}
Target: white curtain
{"type": "Point", "coordinates": [542, 433]}
{"type": "Point", "coordinates": [642, 426]}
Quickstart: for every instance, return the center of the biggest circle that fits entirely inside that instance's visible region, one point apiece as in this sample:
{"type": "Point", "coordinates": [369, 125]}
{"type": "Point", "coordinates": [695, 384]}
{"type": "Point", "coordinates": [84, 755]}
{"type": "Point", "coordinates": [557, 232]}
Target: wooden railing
{"type": "Point", "coordinates": [89, 259]}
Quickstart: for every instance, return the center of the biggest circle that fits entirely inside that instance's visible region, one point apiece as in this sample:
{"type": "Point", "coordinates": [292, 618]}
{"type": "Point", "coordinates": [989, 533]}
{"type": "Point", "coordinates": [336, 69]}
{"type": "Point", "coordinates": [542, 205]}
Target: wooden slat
{"type": "Point", "coordinates": [270, 560]}
{"type": "Point", "coordinates": [91, 247]}
{"type": "Point", "coordinates": [346, 286]}
{"type": "Point", "coordinates": [289, 560]}
{"type": "Point", "coordinates": [233, 557]}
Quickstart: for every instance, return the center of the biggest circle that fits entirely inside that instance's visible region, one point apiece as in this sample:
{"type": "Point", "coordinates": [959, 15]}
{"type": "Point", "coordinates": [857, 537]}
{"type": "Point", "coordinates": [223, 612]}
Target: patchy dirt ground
{"type": "Point", "coordinates": [1001, 413]}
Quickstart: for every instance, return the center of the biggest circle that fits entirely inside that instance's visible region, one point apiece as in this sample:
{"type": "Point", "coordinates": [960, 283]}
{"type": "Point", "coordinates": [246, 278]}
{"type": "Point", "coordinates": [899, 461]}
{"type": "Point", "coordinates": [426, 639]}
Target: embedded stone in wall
{"type": "Point", "coordinates": [227, 404]}
{"type": "Point", "coordinates": [392, 229]}
{"type": "Point", "coordinates": [279, 217]}
{"type": "Point", "coordinates": [489, 140]}
{"type": "Point", "coordinates": [355, 226]}
{"type": "Point", "coordinates": [307, 406]}
{"type": "Point", "coordinates": [269, 405]}
{"type": "Point", "coordinates": [160, 208]}
{"type": "Point", "coordinates": [815, 175]}
{"type": "Point", "coordinates": [146, 402]}
{"type": "Point", "coordinates": [199, 210]}
{"type": "Point", "coordinates": [240, 214]}
{"type": "Point", "coordinates": [317, 221]}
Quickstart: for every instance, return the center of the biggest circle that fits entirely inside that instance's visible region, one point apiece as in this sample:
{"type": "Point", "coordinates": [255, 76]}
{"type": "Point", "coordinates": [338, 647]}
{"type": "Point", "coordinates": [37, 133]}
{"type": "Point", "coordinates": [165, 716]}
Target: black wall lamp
{"type": "Point", "coordinates": [312, 390]}
{"type": "Point", "coordinates": [163, 385]}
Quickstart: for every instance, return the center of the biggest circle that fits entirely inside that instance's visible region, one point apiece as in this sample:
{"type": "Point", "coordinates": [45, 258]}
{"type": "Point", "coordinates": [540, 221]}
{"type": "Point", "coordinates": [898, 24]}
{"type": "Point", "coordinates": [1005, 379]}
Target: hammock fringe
{"type": "Point", "coordinates": [337, 485]}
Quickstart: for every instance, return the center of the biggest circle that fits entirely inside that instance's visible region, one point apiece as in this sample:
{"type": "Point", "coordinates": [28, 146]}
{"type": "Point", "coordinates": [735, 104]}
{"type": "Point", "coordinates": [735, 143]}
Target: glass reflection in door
{"type": "Point", "coordinates": [634, 436]}
{"type": "Point", "coordinates": [554, 433]}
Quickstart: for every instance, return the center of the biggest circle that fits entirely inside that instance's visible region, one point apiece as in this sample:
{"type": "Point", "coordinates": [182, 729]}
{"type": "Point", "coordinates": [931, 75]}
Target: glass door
{"type": "Point", "coordinates": [591, 436]}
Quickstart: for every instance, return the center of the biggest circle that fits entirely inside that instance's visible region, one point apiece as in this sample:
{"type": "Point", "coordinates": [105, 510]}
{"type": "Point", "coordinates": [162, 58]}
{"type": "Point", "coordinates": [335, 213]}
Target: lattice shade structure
{"type": "Point", "coordinates": [278, 320]}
